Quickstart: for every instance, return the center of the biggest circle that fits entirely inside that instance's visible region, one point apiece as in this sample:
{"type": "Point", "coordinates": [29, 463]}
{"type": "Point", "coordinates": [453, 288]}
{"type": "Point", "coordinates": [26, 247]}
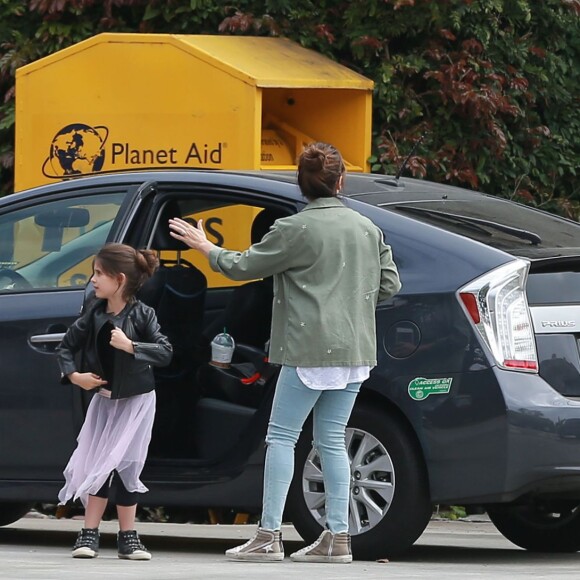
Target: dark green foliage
{"type": "Point", "coordinates": [494, 84]}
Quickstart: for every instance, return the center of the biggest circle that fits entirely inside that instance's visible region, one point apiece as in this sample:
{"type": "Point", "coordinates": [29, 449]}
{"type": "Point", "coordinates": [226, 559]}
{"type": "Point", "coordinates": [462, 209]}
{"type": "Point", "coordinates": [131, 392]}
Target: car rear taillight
{"type": "Point", "coordinates": [497, 304]}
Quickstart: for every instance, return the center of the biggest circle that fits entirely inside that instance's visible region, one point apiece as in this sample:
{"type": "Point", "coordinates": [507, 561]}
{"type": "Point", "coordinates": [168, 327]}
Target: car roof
{"type": "Point", "coordinates": [368, 187]}
{"type": "Point", "coordinates": [372, 188]}
{"type": "Point", "coordinates": [425, 199]}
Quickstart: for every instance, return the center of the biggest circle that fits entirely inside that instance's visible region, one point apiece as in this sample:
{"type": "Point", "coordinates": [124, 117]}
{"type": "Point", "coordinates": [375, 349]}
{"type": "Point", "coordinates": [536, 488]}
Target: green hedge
{"type": "Point", "coordinates": [493, 84]}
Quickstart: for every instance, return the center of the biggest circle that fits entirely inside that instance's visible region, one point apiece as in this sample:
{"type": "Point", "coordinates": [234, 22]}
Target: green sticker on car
{"type": "Point", "coordinates": [420, 388]}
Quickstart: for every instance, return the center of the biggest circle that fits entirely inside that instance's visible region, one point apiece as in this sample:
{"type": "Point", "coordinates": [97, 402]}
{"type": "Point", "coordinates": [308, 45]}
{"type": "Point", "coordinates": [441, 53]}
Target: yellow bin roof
{"type": "Point", "coordinates": [273, 62]}
{"type": "Point", "coordinates": [173, 101]}
{"type": "Point", "coordinates": [258, 61]}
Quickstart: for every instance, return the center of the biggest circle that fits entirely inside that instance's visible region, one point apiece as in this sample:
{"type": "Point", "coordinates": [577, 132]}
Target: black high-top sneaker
{"type": "Point", "coordinates": [129, 546]}
{"type": "Point", "coordinates": [87, 544]}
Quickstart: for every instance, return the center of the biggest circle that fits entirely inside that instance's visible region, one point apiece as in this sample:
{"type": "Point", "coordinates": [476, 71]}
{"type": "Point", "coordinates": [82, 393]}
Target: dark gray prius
{"type": "Point", "coordinates": [475, 399]}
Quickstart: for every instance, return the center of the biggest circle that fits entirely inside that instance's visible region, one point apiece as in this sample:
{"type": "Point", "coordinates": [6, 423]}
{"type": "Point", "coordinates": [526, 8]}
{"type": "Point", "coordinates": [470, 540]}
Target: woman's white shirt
{"type": "Point", "coordinates": [332, 378]}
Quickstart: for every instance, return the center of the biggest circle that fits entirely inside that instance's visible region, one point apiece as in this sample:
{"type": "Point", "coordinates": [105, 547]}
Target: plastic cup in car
{"type": "Point", "coordinates": [222, 350]}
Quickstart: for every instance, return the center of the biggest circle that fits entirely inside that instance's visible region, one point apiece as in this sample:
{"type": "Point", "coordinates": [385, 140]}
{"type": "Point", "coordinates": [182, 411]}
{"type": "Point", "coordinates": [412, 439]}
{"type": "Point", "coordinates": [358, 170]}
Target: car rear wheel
{"type": "Point", "coordinates": [12, 512]}
{"type": "Point", "coordinates": [540, 526]}
{"type": "Point", "coordinates": [389, 497]}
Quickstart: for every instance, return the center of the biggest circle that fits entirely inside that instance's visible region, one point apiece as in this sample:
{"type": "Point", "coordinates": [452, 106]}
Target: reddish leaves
{"type": "Point", "coordinates": [324, 31]}
{"type": "Point", "coordinates": [539, 52]}
{"type": "Point", "coordinates": [53, 7]}
{"type": "Point", "coordinates": [472, 46]}
{"type": "Point", "coordinates": [447, 34]}
{"type": "Point", "coordinates": [449, 161]}
{"type": "Point", "coordinates": [525, 195]}
{"type": "Point", "coordinates": [519, 83]}
{"type": "Point", "coordinates": [247, 23]}
{"type": "Point", "coordinates": [401, 3]}
{"type": "Point", "coordinates": [463, 175]}
{"type": "Point", "coordinates": [368, 41]}
{"type": "Point", "coordinates": [573, 5]}
{"type": "Point", "coordinates": [238, 22]}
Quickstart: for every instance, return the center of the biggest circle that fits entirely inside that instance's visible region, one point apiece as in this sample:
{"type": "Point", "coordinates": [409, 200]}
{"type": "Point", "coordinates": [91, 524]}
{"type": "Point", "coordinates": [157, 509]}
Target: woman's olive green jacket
{"type": "Point", "coordinates": [330, 268]}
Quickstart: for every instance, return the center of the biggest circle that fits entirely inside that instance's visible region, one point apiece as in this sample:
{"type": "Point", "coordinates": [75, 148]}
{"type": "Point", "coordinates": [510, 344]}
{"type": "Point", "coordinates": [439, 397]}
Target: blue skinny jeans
{"type": "Point", "coordinates": [292, 404]}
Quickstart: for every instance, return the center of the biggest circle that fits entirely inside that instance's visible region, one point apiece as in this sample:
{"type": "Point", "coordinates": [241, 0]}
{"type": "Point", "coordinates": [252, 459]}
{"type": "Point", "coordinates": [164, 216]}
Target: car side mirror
{"type": "Point", "coordinates": [54, 221]}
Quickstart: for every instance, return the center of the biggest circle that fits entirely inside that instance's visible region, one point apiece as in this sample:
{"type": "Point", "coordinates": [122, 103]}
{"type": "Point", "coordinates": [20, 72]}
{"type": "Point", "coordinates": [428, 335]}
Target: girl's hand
{"type": "Point", "coordinates": [86, 381]}
{"type": "Point", "coordinates": [190, 235]}
{"type": "Point", "coordinates": [121, 341]}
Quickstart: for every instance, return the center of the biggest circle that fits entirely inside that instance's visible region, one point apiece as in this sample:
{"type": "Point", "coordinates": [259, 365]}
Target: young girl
{"type": "Point", "coordinates": [115, 341]}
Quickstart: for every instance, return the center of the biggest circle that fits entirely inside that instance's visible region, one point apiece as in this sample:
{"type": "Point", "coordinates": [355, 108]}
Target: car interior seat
{"type": "Point", "coordinates": [177, 292]}
{"type": "Point", "coordinates": [248, 314]}
{"type": "Point", "coordinates": [228, 404]}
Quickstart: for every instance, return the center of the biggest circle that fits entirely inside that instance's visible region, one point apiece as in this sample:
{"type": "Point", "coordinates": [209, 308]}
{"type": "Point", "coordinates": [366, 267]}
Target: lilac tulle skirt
{"type": "Point", "coordinates": [115, 435]}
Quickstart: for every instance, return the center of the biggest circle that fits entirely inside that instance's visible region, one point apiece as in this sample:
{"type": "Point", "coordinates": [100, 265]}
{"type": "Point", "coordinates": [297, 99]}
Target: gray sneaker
{"type": "Point", "coordinates": [265, 546]}
{"type": "Point", "coordinates": [130, 547]}
{"type": "Point", "coordinates": [329, 548]}
{"type": "Point", "coordinates": [87, 544]}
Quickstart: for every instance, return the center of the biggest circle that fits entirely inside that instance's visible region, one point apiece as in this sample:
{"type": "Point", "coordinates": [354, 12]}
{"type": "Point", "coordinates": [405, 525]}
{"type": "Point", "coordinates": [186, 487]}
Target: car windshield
{"type": "Point", "coordinates": [496, 222]}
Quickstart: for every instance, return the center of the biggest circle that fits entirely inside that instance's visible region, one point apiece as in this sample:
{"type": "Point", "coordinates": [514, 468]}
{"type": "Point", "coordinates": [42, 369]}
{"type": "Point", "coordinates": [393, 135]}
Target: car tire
{"type": "Point", "coordinates": [539, 527]}
{"type": "Point", "coordinates": [12, 512]}
{"type": "Point", "coordinates": [401, 520]}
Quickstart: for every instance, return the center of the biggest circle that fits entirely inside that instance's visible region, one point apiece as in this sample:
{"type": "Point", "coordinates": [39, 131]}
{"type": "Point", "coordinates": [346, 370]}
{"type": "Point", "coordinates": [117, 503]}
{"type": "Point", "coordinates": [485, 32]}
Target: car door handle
{"type": "Point", "coordinates": [44, 338]}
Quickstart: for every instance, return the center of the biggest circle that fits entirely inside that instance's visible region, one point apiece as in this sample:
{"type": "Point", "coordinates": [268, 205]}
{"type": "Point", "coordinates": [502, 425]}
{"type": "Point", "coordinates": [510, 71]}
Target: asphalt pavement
{"type": "Point", "coordinates": [39, 548]}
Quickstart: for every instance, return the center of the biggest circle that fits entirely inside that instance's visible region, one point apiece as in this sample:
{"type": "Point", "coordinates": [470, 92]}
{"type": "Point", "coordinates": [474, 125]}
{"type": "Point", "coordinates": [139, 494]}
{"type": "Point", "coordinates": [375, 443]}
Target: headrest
{"type": "Point", "coordinates": [162, 240]}
{"type": "Point", "coordinates": [263, 221]}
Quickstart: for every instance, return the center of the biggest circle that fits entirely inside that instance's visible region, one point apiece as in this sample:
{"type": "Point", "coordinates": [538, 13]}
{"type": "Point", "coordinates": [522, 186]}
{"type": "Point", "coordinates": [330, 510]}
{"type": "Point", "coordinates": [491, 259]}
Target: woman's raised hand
{"type": "Point", "coordinates": [192, 236]}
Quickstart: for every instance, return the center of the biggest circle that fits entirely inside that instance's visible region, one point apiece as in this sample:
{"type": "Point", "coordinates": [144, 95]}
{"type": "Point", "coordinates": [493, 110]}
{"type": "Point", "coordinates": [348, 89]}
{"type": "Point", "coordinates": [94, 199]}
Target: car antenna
{"type": "Point", "coordinates": [395, 181]}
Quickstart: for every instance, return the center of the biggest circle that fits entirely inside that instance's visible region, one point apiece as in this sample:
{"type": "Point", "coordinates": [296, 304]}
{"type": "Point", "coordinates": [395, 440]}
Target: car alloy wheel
{"type": "Point", "coordinates": [372, 482]}
{"type": "Point", "coordinates": [385, 519]}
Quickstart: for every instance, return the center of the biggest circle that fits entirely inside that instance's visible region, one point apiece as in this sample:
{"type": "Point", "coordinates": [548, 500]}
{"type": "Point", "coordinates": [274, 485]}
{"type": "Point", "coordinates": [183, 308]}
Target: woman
{"type": "Point", "coordinates": [330, 269]}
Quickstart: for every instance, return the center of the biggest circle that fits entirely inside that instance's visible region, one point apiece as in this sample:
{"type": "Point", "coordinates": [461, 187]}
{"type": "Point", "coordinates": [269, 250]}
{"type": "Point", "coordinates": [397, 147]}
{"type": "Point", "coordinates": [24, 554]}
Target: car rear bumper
{"type": "Point", "coordinates": [543, 440]}
{"type": "Point", "coordinates": [515, 435]}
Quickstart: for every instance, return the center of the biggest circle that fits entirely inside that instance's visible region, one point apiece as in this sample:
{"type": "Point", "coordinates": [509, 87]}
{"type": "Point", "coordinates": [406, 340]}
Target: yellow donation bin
{"type": "Point", "coordinates": [138, 101]}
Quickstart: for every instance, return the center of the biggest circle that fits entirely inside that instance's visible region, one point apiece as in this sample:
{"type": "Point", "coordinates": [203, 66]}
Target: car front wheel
{"type": "Point", "coordinates": [540, 526]}
{"type": "Point", "coordinates": [389, 492]}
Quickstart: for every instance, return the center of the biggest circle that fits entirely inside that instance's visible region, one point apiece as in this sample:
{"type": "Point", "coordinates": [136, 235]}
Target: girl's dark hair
{"type": "Point", "coordinates": [137, 265]}
{"type": "Point", "coordinates": [320, 166]}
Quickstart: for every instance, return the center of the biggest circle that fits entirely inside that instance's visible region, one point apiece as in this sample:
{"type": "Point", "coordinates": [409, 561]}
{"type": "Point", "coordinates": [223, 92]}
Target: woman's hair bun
{"type": "Point", "coordinates": [320, 168]}
{"type": "Point", "coordinates": [313, 159]}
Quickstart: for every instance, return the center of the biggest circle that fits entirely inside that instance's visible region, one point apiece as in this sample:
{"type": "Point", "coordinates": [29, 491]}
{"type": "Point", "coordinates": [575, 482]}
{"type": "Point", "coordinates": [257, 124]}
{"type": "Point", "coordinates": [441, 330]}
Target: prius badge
{"type": "Point", "coordinates": [558, 323]}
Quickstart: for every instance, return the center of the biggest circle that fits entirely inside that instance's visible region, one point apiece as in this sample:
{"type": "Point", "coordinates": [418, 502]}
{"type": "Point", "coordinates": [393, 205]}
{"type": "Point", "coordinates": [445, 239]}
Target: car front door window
{"type": "Point", "coordinates": [51, 245]}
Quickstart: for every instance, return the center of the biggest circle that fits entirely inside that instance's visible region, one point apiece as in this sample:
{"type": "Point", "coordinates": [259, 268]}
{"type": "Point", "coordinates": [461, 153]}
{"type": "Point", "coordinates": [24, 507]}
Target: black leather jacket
{"type": "Point", "coordinates": [132, 373]}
